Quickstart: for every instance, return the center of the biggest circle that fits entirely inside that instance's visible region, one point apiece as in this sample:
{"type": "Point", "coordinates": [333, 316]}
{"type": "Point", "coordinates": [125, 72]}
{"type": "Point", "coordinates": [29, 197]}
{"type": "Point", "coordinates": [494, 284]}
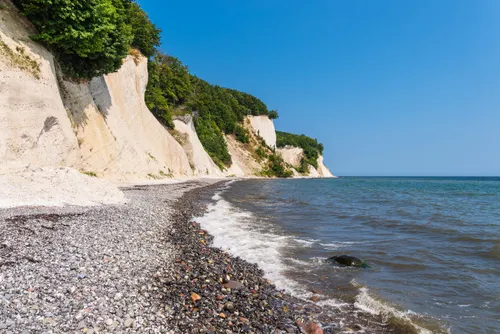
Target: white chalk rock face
{"type": "Point", "coordinates": [49, 186]}
{"type": "Point", "coordinates": [118, 136]}
{"type": "Point", "coordinates": [103, 126]}
{"type": "Point", "coordinates": [244, 162]}
{"type": "Point", "coordinates": [313, 172]}
{"type": "Point", "coordinates": [264, 127]}
{"type": "Point", "coordinates": [291, 155]}
{"type": "Point", "coordinates": [323, 171]}
{"type": "Point", "coordinates": [34, 126]}
{"type": "Point", "coordinates": [199, 159]}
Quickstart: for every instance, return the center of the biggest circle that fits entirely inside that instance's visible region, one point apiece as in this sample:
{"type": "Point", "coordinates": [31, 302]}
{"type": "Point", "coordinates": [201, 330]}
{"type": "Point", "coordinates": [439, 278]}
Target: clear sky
{"type": "Point", "coordinates": [390, 87]}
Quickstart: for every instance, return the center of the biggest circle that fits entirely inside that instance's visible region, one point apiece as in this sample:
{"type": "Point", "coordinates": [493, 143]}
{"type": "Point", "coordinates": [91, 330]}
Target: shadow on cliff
{"type": "Point", "coordinates": [80, 98]}
{"type": "Point", "coordinates": [100, 92]}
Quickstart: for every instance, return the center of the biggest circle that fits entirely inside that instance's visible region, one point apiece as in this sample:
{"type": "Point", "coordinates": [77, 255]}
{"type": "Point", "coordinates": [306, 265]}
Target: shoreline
{"type": "Point", "coordinates": [271, 310]}
{"type": "Point", "coordinates": [143, 266]}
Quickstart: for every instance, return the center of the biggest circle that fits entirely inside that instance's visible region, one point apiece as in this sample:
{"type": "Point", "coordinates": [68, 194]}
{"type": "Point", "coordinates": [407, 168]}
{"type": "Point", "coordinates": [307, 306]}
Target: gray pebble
{"type": "Point", "coordinates": [128, 323]}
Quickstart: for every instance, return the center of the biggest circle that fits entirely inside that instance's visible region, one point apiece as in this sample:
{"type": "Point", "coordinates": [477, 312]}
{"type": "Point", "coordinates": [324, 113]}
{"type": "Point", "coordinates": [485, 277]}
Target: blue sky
{"type": "Point", "coordinates": [389, 87]}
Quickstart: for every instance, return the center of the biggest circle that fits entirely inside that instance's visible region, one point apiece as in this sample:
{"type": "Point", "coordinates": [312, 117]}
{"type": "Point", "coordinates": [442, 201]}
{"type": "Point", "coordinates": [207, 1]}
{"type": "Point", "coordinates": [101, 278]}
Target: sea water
{"type": "Point", "coordinates": [432, 244]}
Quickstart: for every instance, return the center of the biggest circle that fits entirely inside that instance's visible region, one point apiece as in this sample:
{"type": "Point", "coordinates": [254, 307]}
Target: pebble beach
{"type": "Point", "coordinates": [145, 266]}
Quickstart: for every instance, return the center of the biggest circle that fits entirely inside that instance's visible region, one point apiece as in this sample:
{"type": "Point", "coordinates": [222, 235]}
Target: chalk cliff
{"type": "Point", "coordinates": [34, 126]}
{"type": "Point", "coordinates": [263, 127]}
{"type": "Point", "coordinates": [102, 127]}
{"type": "Point", "coordinates": [118, 136]}
{"type": "Point", "coordinates": [199, 160]}
{"type": "Point", "coordinates": [291, 155]}
{"type": "Point", "coordinates": [323, 171]}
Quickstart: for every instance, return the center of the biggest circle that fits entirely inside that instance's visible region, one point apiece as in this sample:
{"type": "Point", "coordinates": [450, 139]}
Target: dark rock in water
{"type": "Point", "coordinates": [348, 261]}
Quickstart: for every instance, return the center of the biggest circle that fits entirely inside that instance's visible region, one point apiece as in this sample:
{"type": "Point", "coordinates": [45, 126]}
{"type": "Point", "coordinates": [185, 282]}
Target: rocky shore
{"type": "Point", "coordinates": [88, 270]}
{"type": "Point", "coordinates": [210, 291]}
{"type": "Point", "coordinates": [146, 267]}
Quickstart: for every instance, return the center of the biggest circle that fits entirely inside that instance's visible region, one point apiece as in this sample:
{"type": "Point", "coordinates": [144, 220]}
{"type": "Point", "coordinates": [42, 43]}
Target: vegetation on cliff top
{"type": "Point", "coordinates": [173, 90]}
{"type": "Point", "coordinates": [312, 148]}
{"type": "Point", "coordinates": [91, 37]}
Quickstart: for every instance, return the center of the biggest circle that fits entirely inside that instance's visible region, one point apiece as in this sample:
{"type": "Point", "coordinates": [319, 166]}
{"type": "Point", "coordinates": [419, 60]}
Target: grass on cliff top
{"type": "Point", "coordinates": [20, 59]}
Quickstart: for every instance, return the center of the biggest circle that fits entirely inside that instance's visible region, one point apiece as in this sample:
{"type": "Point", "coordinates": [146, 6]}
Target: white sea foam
{"type": "Point", "coordinates": [242, 234]}
{"type": "Point", "coordinates": [238, 232]}
{"type": "Point", "coordinates": [305, 242]}
{"type": "Point", "coordinates": [369, 304]}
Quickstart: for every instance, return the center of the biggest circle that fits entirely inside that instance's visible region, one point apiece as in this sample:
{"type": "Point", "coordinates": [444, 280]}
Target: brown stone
{"type": "Point", "coordinates": [233, 285]}
{"type": "Point", "coordinates": [313, 328]}
{"type": "Point", "coordinates": [195, 297]}
{"type": "Point", "coordinates": [222, 315]}
{"type": "Point", "coordinates": [315, 298]}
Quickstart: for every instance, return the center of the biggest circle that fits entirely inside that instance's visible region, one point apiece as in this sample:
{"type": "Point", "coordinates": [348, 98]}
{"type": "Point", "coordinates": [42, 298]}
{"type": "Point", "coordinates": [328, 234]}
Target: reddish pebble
{"type": "Point", "coordinates": [195, 297]}
{"type": "Point", "coordinates": [313, 328]}
{"type": "Point", "coordinates": [315, 298]}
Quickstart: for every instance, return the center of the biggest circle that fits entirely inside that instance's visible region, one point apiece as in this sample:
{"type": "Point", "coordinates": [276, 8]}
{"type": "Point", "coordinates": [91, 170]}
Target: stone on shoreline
{"type": "Point", "coordinates": [347, 260]}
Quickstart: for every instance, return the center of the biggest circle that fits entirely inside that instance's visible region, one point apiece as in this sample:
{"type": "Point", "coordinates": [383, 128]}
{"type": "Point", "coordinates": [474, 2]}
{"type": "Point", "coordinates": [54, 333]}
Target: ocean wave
{"type": "Point", "coordinates": [369, 304]}
{"type": "Point", "coordinates": [306, 242]}
{"type": "Point", "coordinates": [242, 234]}
{"type": "Point", "coordinates": [239, 232]}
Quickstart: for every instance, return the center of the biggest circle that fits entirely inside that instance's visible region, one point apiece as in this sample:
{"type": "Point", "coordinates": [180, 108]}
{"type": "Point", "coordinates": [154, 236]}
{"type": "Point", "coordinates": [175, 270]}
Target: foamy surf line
{"type": "Point", "coordinates": [242, 234]}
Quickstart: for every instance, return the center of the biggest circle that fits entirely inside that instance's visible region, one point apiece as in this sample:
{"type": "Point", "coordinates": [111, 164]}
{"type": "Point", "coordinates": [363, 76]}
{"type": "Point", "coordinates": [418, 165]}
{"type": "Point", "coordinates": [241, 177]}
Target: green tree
{"type": "Point", "coordinates": [273, 114]}
{"type": "Point", "coordinates": [312, 148]}
{"type": "Point", "coordinates": [146, 34]}
{"type": "Point", "coordinates": [276, 167]}
{"type": "Point", "coordinates": [213, 141]}
{"type": "Point", "coordinates": [89, 37]}
{"type": "Point", "coordinates": [169, 86]}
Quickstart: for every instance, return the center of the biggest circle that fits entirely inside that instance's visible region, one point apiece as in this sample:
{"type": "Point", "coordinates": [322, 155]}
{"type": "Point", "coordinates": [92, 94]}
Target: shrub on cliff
{"type": "Point", "coordinates": [169, 86]}
{"type": "Point", "coordinates": [241, 134]}
{"type": "Point", "coordinates": [213, 141]}
{"type": "Point", "coordinates": [146, 33]}
{"type": "Point", "coordinates": [91, 37]}
{"type": "Point", "coordinates": [276, 167]}
{"type": "Point", "coordinates": [312, 148]}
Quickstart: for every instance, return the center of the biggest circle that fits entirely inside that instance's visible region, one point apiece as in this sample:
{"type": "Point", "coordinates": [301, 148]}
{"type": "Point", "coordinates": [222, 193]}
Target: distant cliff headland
{"type": "Point", "coordinates": [85, 86]}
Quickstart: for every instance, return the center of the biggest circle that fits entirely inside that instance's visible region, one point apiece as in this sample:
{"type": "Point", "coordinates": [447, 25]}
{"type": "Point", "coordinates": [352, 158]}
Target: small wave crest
{"type": "Point", "coordinates": [403, 319]}
{"type": "Point", "coordinates": [243, 234]}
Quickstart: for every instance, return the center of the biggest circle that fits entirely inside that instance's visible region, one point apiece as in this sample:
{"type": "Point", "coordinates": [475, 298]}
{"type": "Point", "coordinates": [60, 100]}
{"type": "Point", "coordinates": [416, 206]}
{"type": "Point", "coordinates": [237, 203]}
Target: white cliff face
{"type": "Point", "coordinates": [102, 126]}
{"type": "Point", "coordinates": [244, 162]}
{"type": "Point", "coordinates": [34, 126]}
{"type": "Point", "coordinates": [313, 172]}
{"type": "Point", "coordinates": [199, 159]}
{"type": "Point", "coordinates": [323, 171]}
{"type": "Point", "coordinates": [119, 138]}
{"type": "Point", "coordinates": [291, 155]}
{"type": "Point", "coordinates": [264, 127]}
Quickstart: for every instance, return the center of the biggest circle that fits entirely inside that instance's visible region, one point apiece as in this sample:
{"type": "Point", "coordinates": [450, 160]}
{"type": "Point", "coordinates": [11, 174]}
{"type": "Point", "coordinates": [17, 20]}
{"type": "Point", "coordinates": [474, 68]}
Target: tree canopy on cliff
{"type": "Point", "coordinates": [91, 37]}
{"type": "Point", "coordinates": [172, 90]}
{"type": "Point", "coordinates": [312, 148]}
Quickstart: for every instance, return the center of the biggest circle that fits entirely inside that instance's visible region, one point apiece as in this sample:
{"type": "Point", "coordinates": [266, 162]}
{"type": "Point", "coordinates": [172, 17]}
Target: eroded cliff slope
{"type": "Point", "coordinates": [102, 127]}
